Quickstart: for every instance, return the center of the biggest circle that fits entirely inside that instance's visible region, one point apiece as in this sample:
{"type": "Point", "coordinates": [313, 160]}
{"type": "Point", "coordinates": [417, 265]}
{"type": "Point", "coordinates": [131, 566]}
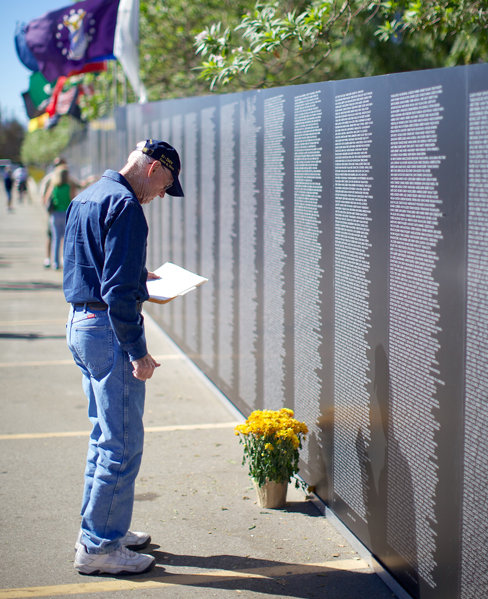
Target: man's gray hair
{"type": "Point", "coordinates": [138, 160]}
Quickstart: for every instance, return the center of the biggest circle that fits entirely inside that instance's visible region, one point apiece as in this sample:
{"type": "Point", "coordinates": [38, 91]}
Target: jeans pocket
{"type": "Point", "coordinates": [95, 347]}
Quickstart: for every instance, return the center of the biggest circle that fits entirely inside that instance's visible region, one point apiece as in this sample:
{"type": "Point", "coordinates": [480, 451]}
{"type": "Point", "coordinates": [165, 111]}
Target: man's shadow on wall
{"type": "Point", "coordinates": [389, 500]}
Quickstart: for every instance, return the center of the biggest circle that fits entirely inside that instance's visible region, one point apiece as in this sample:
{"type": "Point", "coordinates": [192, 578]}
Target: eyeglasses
{"type": "Point", "coordinates": [166, 170]}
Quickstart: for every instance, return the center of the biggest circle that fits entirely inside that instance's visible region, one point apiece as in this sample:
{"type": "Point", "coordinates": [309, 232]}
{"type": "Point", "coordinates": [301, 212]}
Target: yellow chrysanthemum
{"type": "Point", "coordinates": [277, 424]}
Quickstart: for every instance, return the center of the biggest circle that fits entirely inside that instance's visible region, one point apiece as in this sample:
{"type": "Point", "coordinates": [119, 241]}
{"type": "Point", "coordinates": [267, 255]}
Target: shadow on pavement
{"type": "Point", "coordinates": [29, 336]}
{"type": "Point", "coordinates": [258, 575]}
{"type": "Point", "coordinates": [300, 507]}
{"type": "Point", "coordinates": [29, 286]}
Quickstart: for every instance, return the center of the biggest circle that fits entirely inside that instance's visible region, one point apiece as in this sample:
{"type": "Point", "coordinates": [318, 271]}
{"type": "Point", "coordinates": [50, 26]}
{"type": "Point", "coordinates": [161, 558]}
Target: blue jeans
{"type": "Point", "coordinates": [115, 409]}
{"type": "Point", "coordinates": [57, 222]}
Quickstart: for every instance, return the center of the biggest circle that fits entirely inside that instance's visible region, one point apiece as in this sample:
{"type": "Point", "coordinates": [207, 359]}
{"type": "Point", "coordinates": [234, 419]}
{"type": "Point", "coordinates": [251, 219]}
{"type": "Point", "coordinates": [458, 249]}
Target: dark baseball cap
{"type": "Point", "coordinates": [168, 157]}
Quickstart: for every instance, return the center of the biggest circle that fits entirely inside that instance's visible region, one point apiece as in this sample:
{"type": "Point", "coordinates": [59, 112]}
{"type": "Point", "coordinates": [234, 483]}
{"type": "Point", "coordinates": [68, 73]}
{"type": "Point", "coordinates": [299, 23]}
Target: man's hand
{"type": "Point", "coordinates": [144, 367]}
{"type": "Point", "coordinates": [151, 276]}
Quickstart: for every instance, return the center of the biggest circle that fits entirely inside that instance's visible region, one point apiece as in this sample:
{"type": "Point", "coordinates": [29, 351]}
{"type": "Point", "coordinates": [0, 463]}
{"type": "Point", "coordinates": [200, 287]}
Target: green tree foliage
{"type": "Point", "coordinates": [457, 28]}
{"type": "Point", "coordinates": [11, 136]}
{"type": "Point", "coordinates": [106, 94]}
{"type": "Point", "coordinates": [167, 29]}
{"type": "Point", "coordinates": [278, 43]}
{"type": "Point", "coordinates": [41, 147]}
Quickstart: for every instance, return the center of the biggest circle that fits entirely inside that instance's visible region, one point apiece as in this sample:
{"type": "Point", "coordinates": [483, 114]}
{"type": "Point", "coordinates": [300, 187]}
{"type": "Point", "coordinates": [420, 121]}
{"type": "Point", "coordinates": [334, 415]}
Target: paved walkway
{"type": "Point", "coordinates": [210, 538]}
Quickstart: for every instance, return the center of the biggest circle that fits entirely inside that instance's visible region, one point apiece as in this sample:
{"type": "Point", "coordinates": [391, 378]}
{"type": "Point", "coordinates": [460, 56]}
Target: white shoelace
{"type": "Point", "coordinates": [127, 552]}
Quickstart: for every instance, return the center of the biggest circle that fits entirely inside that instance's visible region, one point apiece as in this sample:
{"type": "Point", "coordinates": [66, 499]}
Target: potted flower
{"type": "Point", "coordinates": [272, 440]}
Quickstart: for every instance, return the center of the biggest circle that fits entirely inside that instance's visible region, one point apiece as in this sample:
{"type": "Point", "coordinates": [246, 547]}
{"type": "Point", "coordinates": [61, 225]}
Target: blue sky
{"type": "Point", "coordinates": [14, 77]}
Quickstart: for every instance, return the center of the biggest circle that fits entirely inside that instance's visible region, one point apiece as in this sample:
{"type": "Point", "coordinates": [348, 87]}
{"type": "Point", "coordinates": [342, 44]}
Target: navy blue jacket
{"type": "Point", "coordinates": [105, 256]}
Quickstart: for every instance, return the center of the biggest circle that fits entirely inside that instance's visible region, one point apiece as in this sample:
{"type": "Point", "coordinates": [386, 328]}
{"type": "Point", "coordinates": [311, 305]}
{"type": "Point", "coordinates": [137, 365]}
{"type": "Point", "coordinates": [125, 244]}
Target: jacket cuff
{"type": "Point", "coordinates": [136, 350]}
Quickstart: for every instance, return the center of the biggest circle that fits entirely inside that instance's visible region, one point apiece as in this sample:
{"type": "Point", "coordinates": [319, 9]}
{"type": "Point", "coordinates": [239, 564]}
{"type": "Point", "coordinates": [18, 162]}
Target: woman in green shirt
{"type": "Point", "coordinates": [60, 195]}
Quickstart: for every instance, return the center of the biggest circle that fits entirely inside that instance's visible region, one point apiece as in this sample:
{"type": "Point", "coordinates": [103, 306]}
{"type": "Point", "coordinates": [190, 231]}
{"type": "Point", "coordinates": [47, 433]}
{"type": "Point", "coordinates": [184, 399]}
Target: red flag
{"type": "Point", "coordinates": [91, 67]}
{"type": "Point", "coordinates": [58, 88]}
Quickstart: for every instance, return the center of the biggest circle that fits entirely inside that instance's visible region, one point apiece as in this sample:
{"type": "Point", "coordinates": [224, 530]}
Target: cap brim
{"type": "Point", "coordinates": [176, 190]}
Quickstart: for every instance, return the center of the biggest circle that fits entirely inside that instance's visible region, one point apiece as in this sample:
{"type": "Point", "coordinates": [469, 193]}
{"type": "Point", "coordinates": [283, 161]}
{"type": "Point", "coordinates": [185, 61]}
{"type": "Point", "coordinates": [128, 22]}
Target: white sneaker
{"type": "Point", "coordinates": [132, 540]}
{"type": "Point", "coordinates": [120, 561]}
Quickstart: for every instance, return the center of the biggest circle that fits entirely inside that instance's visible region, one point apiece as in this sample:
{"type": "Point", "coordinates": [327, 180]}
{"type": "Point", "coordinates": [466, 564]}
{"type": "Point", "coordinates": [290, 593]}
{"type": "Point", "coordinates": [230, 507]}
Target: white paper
{"type": "Point", "coordinates": [174, 281]}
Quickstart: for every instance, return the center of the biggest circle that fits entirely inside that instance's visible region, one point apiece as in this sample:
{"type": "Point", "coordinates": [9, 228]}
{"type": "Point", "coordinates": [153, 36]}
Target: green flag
{"type": "Point", "coordinates": [39, 88]}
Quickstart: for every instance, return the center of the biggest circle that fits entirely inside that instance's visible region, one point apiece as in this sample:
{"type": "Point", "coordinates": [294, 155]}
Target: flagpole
{"type": "Point", "coordinates": [107, 95]}
{"type": "Point", "coordinates": [114, 69]}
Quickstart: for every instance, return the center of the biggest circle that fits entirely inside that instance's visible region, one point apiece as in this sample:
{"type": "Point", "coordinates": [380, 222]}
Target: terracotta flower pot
{"type": "Point", "coordinates": [271, 495]}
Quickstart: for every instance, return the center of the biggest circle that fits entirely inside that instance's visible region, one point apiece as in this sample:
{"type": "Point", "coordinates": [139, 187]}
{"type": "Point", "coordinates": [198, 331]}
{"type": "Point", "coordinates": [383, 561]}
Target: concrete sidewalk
{"type": "Point", "coordinates": [210, 538]}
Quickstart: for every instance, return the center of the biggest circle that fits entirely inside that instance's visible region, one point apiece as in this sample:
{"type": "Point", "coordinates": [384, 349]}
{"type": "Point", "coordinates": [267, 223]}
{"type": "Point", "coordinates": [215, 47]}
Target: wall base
{"type": "Point", "coordinates": [362, 550]}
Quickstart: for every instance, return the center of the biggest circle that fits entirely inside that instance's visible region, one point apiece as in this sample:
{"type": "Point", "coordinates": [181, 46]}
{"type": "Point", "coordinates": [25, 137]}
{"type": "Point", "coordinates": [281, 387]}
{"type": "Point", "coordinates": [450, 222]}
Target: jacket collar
{"type": "Point", "coordinates": [115, 176]}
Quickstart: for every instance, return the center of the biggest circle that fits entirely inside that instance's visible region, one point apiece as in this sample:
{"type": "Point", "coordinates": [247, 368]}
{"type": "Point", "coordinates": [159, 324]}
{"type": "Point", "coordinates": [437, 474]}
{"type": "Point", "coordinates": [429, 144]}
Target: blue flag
{"type": "Point", "coordinates": [23, 51]}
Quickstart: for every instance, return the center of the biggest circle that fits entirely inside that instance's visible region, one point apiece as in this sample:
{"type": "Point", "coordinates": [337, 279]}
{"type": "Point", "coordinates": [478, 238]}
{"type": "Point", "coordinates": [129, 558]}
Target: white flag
{"type": "Point", "coordinates": [126, 45]}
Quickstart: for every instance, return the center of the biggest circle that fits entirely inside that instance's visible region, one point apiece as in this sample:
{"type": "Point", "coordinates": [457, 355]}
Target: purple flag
{"type": "Point", "coordinates": [68, 38]}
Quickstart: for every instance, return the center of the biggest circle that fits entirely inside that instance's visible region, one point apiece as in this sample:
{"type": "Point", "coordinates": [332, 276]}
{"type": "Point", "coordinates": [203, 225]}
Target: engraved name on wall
{"type": "Point", "coordinates": [247, 252]}
{"type": "Point", "coordinates": [228, 115]}
{"type": "Point", "coordinates": [274, 254]}
{"type": "Point", "coordinates": [352, 431]}
{"type": "Point", "coordinates": [413, 315]}
{"type": "Point", "coordinates": [308, 274]}
{"type": "Point", "coordinates": [474, 571]}
{"type": "Point", "coordinates": [207, 258]}
{"type": "Point", "coordinates": [191, 224]}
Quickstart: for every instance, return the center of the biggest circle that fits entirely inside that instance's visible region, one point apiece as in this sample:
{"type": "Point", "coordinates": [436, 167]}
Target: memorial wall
{"type": "Point", "coordinates": [343, 228]}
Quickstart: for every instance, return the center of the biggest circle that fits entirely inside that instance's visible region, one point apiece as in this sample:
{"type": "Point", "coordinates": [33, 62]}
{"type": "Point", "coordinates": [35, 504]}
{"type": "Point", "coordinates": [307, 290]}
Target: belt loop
{"type": "Point", "coordinates": [85, 308]}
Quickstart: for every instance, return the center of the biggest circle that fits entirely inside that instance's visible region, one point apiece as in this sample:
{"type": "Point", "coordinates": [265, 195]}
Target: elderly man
{"type": "Point", "coordinates": [105, 283]}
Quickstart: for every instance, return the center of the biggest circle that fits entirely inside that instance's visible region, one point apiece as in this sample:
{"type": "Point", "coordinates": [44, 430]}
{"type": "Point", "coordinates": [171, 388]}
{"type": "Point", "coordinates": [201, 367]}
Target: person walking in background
{"type": "Point", "coordinates": [44, 185]}
{"type": "Point", "coordinates": [21, 174]}
{"type": "Point", "coordinates": [8, 182]}
{"type": "Point", "coordinates": [57, 198]}
{"type": "Point", "coordinates": [46, 189]}
{"type": "Point", "coordinates": [105, 282]}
